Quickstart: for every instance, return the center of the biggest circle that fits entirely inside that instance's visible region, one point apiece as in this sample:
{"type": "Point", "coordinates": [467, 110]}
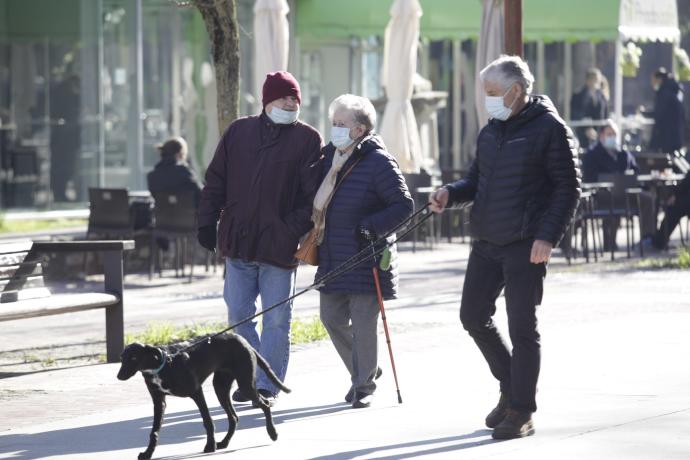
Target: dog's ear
{"type": "Point", "coordinates": [153, 351]}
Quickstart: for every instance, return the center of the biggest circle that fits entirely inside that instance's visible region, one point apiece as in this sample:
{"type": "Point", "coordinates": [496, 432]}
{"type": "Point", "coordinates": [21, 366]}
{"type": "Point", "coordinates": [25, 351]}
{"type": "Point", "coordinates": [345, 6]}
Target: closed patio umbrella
{"type": "Point", "coordinates": [399, 127]}
{"type": "Point", "coordinates": [271, 40]}
{"type": "Point", "coordinates": [490, 47]}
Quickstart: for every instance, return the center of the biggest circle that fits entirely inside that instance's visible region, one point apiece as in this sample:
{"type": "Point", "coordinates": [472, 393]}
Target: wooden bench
{"type": "Point", "coordinates": [23, 293]}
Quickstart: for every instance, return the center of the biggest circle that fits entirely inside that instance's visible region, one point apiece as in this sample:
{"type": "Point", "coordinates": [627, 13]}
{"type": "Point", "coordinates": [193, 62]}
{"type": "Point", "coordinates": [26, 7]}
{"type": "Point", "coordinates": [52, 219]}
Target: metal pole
{"type": "Point", "coordinates": [457, 101]}
{"type": "Point", "coordinates": [512, 11]}
{"type": "Point", "coordinates": [541, 65]}
{"type": "Point", "coordinates": [568, 87]}
{"type": "Point", "coordinates": [135, 157]}
{"type": "Point", "coordinates": [618, 102]}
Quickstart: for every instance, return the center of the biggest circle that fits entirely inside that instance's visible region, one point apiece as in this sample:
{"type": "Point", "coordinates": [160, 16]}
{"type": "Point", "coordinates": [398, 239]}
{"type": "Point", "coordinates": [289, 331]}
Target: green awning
{"type": "Point", "coordinates": [328, 19]}
{"type": "Point", "coordinates": [581, 20]}
{"type": "Point", "coordinates": [546, 20]}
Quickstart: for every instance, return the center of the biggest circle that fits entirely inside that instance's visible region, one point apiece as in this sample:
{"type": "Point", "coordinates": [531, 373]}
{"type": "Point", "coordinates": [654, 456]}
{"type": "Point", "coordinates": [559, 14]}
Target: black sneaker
{"type": "Point", "coordinates": [498, 413]}
{"type": "Point", "coordinates": [514, 425]}
{"type": "Point", "coordinates": [269, 397]}
{"type": "Point", "coordinates": [362, 400]}
{"type": "Point", "coordinates": [351, 392]}
{"type": "Point", "coordinates": [238, 396]}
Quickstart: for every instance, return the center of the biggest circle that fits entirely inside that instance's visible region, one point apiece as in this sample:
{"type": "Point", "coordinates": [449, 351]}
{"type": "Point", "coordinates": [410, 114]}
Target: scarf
{"type": "Point", "coordinates": [325, 193]}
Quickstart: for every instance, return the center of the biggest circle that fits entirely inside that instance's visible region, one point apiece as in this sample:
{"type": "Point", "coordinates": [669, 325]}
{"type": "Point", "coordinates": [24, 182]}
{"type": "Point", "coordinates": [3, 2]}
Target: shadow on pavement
{"type": "Point", "coordinates": [457, 440]}
{"type": "Point", "coordinates": [178, 427]}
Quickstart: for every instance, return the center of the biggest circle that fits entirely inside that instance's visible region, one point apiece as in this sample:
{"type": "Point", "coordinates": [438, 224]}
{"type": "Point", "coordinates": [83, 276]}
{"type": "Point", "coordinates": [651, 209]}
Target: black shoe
{"type": "Point", "coordinates": [514, 425]}
{"type": "Point", "coordinates": [362, 400]}
{"type": "Point", "coordinates": [498, 413]}
{"type": "Point", "coordinates": [238, 396]}
{"type": "Point", "coordinates": [351, 392]}
{"type": "Point", "coordinates": [269, 397]}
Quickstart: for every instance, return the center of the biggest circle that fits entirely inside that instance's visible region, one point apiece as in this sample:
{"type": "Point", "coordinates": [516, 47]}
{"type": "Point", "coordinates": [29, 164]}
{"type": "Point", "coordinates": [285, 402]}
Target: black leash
{"type": "Point", "coordinates": [362, 256]}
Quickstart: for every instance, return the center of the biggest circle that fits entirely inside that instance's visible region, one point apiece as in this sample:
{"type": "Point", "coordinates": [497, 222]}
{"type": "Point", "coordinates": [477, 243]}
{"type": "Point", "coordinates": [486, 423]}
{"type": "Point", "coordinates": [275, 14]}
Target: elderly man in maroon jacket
{"type": "Point", "coordinates": [260, 185]}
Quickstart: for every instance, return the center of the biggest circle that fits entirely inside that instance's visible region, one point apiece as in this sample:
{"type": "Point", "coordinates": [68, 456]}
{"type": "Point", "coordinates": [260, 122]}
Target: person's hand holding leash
{"type": "Point", "coordinates": [365, 236]}
{"type": "Point", "coordinates": [439, 200]}
{"type": "Point", "coordinates": [541, 252]}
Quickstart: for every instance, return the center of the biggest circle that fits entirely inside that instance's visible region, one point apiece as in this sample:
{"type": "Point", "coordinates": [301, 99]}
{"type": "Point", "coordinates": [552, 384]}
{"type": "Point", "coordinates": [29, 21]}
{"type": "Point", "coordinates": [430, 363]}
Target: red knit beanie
{"type": "Point", "coordinates": [280, 84]}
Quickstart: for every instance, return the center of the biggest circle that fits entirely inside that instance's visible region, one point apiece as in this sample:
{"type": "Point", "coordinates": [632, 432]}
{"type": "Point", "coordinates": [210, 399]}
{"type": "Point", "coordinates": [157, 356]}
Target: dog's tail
{"type": "Point", "coordinates": [263, 364]}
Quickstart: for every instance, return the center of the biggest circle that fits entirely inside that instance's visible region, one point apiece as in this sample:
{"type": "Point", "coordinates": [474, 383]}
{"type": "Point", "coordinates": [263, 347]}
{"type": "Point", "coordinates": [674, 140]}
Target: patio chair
{"type": "Point", "coordinates": [112, 217]}
{"type": "Point", "coordinates": [175, 219]}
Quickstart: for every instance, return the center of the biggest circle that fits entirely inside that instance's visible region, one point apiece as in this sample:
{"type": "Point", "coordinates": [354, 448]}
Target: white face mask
{"type": "Point", "coordinates": [283, 117]}
{"type": "Point", "coordinates": [340, 137]}
{"type": "Point", "coordinates": [495, 107]}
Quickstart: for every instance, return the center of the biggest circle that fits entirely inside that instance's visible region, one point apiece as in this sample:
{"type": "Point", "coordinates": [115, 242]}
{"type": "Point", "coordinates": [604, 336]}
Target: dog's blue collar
{"type": "Point", "coordinates": [164, 359]}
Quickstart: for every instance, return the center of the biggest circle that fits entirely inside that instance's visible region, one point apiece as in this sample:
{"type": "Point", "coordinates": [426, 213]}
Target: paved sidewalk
{"type": "Point", "coordinates": [613, 386]}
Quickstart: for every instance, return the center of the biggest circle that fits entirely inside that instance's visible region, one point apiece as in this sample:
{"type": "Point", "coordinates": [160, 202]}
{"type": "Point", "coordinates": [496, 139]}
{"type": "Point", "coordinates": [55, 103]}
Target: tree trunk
{"type": "Point", "coordinates": [220, 17]}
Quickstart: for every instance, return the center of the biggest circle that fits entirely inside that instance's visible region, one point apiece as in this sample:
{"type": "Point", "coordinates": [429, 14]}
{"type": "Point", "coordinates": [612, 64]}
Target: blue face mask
{"type": "Point", "coordinates": [496, 108]}
{"type": "Point", "coordinates": [283, 117]}
{"type": "Point", "coordinates": [340, 137]}
{"type": "Point", "coordinates": [610, 143]}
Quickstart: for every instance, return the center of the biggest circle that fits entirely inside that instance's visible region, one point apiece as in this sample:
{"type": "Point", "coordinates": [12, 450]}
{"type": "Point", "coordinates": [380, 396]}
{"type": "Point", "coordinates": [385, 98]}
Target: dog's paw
{"type": "Point", "coordinates": [223, 444]}
{"type": "Point", "coordinates": [146, 455]}
{"type": "Point", "coordinates": [210, 448]}
{"type": "Point", "coordinates": [273, 434]}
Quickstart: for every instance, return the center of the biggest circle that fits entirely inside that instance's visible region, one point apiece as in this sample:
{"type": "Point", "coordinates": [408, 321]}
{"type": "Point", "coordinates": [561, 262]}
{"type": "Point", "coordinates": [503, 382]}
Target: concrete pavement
{"type": "Point", "coordinates": [614, 382]}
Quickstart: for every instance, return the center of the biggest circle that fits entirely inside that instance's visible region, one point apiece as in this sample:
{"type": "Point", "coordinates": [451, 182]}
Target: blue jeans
{"type": "Point", "coordinates": [244, 282]}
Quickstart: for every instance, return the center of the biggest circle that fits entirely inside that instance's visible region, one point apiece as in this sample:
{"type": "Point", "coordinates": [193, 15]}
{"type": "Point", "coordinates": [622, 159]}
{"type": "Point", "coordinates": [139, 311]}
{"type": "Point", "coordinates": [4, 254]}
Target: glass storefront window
{"type": "Point", "coordinates": [88, 88]}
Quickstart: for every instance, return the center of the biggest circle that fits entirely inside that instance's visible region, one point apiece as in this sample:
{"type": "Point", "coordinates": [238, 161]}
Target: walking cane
{"type": "Point", "coordinates": [375, 270]}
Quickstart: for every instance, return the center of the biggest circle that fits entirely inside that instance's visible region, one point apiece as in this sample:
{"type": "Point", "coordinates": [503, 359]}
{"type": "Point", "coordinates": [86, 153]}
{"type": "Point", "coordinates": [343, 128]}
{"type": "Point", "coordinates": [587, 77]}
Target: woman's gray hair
{"type": "Point", "coordinates": [507, 70]}
{"type": "Point", "coordinates": [361, 109]}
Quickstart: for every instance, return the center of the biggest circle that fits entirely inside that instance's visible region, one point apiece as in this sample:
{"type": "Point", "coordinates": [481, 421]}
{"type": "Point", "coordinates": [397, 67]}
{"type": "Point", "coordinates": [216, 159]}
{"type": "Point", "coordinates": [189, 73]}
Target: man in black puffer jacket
{"type": "Point", "coordinates": [524, 185]}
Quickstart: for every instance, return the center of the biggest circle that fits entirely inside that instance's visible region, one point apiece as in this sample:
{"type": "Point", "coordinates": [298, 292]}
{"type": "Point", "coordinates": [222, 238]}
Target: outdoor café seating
{"type": "Point", "coordinates": [118, 213]}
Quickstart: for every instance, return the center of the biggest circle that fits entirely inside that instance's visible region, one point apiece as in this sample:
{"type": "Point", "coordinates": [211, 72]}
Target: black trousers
{"type": "Point", "coordinates": [490, 269]}
{"type": "Point", "coordinates": [672, 217]}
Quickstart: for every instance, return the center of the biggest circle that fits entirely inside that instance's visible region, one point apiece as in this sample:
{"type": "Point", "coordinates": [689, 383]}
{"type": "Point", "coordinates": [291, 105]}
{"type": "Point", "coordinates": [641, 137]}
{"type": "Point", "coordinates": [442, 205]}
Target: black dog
{"type": "Point", "coordinates": [228, 356]}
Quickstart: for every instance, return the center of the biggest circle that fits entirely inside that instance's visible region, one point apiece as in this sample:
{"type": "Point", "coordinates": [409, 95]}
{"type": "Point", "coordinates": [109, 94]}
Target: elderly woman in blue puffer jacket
{"type": "Point", "coordinates": [362, 197]}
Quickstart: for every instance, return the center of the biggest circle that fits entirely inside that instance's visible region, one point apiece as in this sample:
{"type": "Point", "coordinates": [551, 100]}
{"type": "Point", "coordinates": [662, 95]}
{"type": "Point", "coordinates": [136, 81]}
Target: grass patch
{"type": "Point", "coordinates": [303, 331]}
{"type": "Point", "coordinates": [167, 333]}
{"type": "Point", "coordinates": [307, 330]}
{"type": "Point", "coordinates": [34, 225]}
{"type": "Point", "coordinates": [681, 261]}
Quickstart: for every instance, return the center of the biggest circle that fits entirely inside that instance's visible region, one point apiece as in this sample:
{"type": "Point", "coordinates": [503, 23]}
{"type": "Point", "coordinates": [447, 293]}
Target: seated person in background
{"type": "Point", "coordinates": [607, 157]}
{"type": "Point", "coordinates": [172, 173]}
{"type": "Point", "coordinates": [678, 205]}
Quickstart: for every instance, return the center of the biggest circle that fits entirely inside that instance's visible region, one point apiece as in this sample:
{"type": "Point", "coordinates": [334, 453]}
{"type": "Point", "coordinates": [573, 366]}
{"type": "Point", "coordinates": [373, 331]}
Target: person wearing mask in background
{"type": "Point", "coordinates": [668, 113]}
{"type": "Point", "coordinates": [607, 157]}
{"type": "Point", "coordinates": [261, 184]}
{"type": "Point", "coordinates": [590, 103]}
{"type": "Point", "coordinates": [524, 185]}
{"type": "Point", "coordinates": [349, 216]}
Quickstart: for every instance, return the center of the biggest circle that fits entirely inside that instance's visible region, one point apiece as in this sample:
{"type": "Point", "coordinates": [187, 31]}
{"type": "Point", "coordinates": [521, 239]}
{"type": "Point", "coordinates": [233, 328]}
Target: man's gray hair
{"type": "Point", "coordinates": [507, 70]}
{"type": "Point", "coordinates": [361, 109]}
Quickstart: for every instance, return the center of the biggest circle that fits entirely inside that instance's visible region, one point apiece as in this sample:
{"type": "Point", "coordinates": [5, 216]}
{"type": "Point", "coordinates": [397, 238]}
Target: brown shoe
{"type": "Point", "coordinates": [498, 413]}
{"type": "Point", "coordinates": [514, 425]}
